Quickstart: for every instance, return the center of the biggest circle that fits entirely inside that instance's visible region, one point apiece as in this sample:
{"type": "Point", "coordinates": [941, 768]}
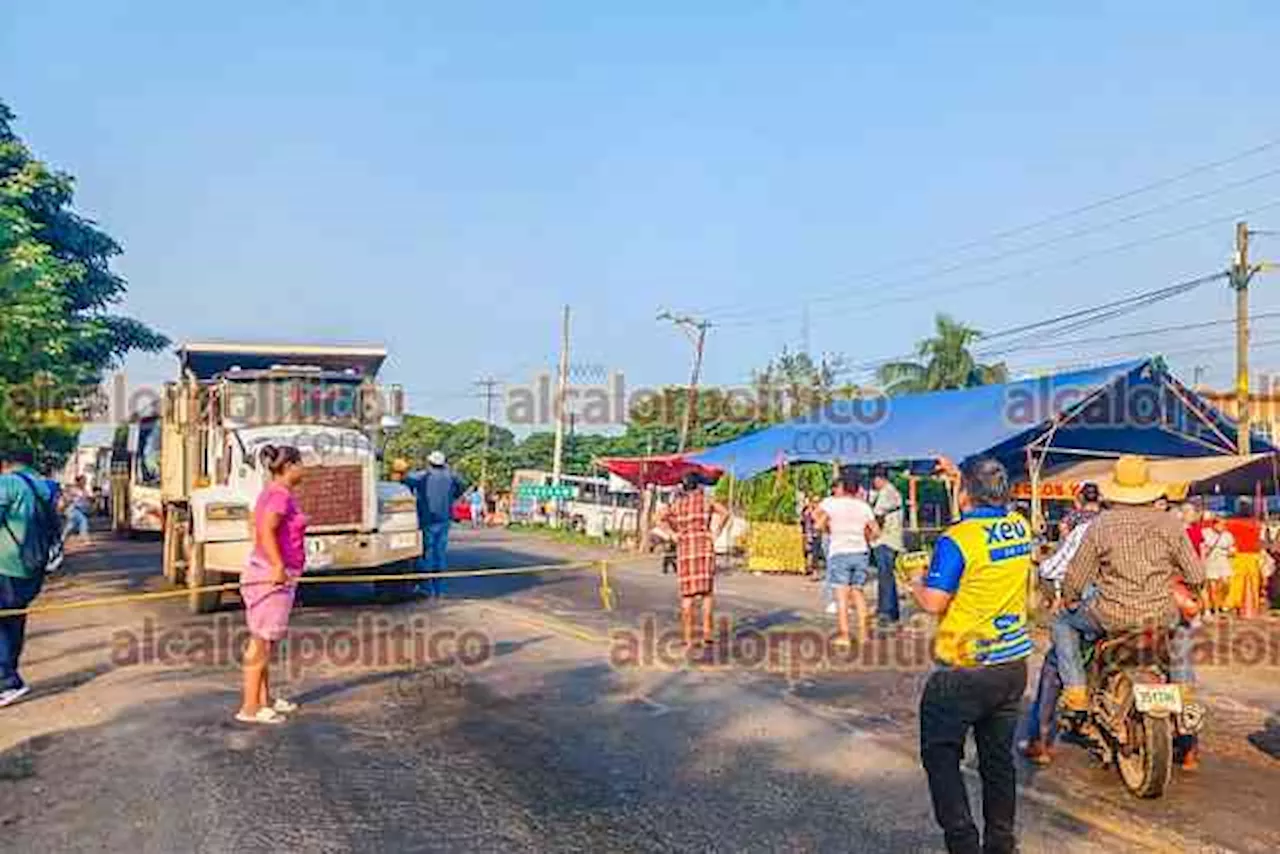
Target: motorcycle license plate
{"type": "Point", "coordinates": [1158, 698]}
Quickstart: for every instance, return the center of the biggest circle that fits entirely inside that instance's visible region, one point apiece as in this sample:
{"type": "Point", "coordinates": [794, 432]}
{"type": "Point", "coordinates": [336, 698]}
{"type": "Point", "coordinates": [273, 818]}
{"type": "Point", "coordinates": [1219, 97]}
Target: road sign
{"type": "Point", "coordinates": [548, 492]}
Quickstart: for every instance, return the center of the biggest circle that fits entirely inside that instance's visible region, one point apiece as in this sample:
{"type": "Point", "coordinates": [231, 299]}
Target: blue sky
{"type": "Point", "coordinates": [442, 177]}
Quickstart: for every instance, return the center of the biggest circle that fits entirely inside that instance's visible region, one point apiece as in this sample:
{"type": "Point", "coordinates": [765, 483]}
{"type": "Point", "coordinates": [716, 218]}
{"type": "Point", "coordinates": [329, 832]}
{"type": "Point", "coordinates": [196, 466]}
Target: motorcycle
{"type": "Point", "coordinates": [1135, 711]}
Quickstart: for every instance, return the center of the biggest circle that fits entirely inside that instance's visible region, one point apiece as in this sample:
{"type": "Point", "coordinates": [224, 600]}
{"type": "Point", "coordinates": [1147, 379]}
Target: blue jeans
{"type": "Point", "coordinates": [1042, 718]}
{"type": "Point", "coordinates": [77, 522]}
{"type": "Point", "coordinates": [1072, 627]}
{"type": "Point", "coordinates": [14, 593]}
{"type": "Point", "coordinates": [435, 542]}
{"type": "Point", "coordinates": [848, 570]}
{"type": "Point", "coordinates": [886, 583]}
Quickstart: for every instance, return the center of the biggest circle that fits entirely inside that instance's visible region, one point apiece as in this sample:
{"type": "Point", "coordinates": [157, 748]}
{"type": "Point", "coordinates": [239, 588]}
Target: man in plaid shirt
{"type": "Point", "coordinates": [1130, 554]}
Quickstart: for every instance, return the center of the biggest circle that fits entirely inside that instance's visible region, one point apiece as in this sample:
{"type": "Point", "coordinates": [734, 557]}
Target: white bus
{"type": "Point", "coordinates": [600, 505]}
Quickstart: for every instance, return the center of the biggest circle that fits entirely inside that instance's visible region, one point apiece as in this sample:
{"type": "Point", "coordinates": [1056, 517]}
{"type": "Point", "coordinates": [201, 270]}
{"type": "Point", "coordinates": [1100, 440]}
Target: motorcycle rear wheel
{"type": "Point", "coordinates": [1146, 771]}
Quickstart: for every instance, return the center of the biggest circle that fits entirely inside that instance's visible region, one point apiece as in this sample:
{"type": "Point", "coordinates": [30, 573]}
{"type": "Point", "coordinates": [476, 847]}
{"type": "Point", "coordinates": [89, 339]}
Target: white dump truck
{"type": "Point", "coordinates": [229, 401]}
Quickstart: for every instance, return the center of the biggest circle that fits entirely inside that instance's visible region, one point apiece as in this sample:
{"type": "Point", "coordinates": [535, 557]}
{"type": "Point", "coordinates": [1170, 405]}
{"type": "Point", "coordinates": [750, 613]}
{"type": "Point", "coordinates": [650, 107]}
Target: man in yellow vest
{"type": "Point", "coordinates": [977, 585]}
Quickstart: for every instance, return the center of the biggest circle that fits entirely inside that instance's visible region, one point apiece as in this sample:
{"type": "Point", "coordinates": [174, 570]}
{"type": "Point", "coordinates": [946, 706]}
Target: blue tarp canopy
{"type": "Point", "coordinates": [1132, 407]}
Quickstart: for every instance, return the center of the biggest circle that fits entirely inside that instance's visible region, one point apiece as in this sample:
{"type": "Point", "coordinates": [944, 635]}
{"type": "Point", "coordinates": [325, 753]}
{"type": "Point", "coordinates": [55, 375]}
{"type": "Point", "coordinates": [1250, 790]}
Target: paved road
{"type": "Point", "coordinates": [545, 745]}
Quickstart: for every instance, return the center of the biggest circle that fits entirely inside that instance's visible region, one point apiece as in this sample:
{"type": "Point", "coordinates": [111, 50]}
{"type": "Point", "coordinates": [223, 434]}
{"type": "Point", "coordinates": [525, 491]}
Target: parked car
{"type": "Point", "coordinates": [461, 510]}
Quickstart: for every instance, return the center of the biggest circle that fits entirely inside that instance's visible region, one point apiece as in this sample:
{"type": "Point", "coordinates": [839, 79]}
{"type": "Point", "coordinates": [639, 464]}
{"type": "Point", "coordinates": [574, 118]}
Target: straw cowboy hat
{"type": "Point", "coordinates": [1130, 482]}
{"type": "Point", "coordinates": [400, 465]}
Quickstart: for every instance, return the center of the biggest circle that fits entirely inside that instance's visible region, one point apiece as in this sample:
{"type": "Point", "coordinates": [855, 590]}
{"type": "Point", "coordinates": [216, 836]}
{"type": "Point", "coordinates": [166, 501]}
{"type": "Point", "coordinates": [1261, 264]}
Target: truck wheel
{"type": "Point", "coordinates": [200, 601]}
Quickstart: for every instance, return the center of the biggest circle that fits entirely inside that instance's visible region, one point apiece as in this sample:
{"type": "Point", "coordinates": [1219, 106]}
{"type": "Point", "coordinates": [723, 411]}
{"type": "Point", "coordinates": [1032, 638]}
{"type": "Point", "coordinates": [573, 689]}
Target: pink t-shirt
{"type": "Point", "coordinates": [293, 526]}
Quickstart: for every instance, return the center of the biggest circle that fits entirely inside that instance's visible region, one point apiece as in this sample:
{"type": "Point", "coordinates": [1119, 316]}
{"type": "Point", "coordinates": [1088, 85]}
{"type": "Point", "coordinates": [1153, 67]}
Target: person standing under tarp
{"type": "Point", "coordinates": [689, 517]}
{"type": "Point", "coordinates": [848, 519]}
{"type": "Point", "coordinates": [886, 503]}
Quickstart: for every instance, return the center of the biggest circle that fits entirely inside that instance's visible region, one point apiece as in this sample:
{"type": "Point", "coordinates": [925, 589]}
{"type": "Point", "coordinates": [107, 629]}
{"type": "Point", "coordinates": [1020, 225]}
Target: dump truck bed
{"type": "Point", "coordinates": [206, 360]}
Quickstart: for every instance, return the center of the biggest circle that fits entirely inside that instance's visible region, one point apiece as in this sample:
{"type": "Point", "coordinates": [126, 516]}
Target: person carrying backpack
{"type": "Point", "coordinates": [29, 535]}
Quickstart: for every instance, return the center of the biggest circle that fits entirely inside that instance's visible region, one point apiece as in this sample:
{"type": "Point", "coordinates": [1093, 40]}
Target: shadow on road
{"type": "Point", "coordinates": [1267, 740]}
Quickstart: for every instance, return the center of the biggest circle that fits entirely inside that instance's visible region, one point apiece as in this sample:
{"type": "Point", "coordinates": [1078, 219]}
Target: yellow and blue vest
{"type": "Point", "coordinates": [983, 561]}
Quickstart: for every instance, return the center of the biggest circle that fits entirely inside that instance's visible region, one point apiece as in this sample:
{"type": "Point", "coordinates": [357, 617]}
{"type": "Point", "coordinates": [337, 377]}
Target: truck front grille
{"type": "Point", "coordinates": [332, 495]}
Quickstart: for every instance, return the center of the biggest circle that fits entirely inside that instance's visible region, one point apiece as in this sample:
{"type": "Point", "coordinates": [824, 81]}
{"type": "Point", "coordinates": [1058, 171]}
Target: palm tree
{"type": "Point", "coordinates": [945, 362]}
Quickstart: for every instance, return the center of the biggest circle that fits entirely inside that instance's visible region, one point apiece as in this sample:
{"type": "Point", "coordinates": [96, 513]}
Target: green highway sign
{"type": "Point", "coordinates": [548, 492]}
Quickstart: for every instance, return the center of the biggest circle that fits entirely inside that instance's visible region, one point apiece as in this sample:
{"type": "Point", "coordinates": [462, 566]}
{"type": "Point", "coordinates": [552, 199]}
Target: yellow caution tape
{"type": "Point", "coordinates": [608, 598]}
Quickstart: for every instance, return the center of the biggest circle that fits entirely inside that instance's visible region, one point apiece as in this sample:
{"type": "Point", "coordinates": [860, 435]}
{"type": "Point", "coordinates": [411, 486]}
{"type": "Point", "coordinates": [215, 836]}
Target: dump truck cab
{"type": "Point", "coordinates": [229, 402]}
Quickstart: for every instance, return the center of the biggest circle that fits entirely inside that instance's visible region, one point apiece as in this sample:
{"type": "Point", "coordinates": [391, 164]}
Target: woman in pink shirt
{"type": "Point", "coordinates": [270, 581]}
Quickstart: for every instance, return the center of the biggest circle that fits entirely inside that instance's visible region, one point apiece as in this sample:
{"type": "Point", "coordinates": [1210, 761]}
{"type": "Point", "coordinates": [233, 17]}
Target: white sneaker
{"type": "Point", "coordinates": [831, 608]}
{"type": "Point", "coordinates": [13, 695]}
{"type": "Point", "coordinates": [264, 715]}
{"type": "Point", "coordinates": [283, 706]}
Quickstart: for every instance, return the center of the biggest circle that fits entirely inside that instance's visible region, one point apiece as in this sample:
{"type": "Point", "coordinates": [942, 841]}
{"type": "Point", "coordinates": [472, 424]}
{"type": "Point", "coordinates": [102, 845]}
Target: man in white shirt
{"type": "Point", "coordinates": [886, 501]}
{"type": "Point", "coordinates": [851, 524]}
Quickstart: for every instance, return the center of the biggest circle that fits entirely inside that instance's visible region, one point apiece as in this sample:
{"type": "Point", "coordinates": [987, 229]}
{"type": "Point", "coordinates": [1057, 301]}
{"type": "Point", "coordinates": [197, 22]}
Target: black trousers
{"type": "Point", "coordinates": [14, 593]}
{"type": "Point", "coordinates": [986, 700]}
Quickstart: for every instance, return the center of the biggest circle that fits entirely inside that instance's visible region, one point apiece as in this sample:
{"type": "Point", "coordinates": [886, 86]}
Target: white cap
{"type": "Point", "coordinates": [436, 458]}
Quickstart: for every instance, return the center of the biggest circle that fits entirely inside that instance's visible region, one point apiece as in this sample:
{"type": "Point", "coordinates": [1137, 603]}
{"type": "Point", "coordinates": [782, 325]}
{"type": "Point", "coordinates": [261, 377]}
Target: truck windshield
{"type": "Point", "coordinates": [149, 452]}
{"type": "Point", "coordinates": [293, 400]}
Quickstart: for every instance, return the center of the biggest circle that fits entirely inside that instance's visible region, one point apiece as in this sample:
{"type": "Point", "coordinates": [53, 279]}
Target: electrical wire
{"type": "Point", "coordinates": [1104, 311]}
{"type": "Point", "coordinates": [1027, 249]}
{"type": "Point", "coordinates": [1129, 333]}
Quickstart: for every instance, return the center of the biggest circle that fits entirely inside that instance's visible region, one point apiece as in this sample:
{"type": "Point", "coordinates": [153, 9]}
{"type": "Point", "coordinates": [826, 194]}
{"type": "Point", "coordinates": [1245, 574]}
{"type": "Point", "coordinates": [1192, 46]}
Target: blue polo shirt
{"type": "Point", "coordinates": [437, 489]}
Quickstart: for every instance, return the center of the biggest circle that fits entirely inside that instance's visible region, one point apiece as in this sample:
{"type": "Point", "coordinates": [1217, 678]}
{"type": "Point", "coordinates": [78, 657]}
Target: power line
{"type": "Point", "coordinates": [1133, 302]}
{"type": "Point", "coordinates": [1129, 333]}
{"type": "Point", "coordinates": [1027, 272]}
{"type": "Point", "coordinates": [1030, 248]}
{"type": "Point", "coordinates": [1182, 351]}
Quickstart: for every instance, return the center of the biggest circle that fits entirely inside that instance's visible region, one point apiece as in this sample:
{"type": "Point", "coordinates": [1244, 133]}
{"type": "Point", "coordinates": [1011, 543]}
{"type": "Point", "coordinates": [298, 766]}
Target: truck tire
{"type": "Point", "coordinates": [200, 601]}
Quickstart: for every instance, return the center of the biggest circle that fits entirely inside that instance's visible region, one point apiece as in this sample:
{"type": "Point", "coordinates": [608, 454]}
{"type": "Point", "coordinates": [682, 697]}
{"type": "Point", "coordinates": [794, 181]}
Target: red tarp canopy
{"type": "Point", "coordinates": [660, 470]}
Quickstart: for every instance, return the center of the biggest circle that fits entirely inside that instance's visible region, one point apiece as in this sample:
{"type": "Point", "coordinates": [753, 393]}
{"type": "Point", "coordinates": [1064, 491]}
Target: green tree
{"type": "Point", "coordinates": [796, 385]}
{"type": "Point", "coordinates": [461, 443]}
{"type": "Point", "coordinates": [58, 333]}
{"type": "Point", "coordinates": [945, 362]}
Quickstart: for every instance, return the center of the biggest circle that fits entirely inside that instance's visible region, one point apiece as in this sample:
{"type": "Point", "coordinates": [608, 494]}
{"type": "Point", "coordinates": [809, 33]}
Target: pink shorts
{"type": "Point", "coordinates": [266, 605]}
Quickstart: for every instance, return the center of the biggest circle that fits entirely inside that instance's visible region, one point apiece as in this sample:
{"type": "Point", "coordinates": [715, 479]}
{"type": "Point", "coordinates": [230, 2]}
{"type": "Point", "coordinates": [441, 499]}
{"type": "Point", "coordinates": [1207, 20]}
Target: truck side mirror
{"type": "Point", "coordinates": [393, 415]}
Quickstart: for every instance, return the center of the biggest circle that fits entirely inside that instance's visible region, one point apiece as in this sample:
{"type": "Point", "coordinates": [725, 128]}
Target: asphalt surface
{"type": "Point", "coordinates": [517, 719]}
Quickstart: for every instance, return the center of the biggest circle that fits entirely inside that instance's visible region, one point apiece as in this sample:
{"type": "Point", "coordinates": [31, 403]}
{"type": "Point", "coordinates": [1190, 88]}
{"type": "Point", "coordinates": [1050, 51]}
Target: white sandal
{"type": "Point", "coordinates": [264, 715]}
{"type": "Point", "coordinates": [283, 706]}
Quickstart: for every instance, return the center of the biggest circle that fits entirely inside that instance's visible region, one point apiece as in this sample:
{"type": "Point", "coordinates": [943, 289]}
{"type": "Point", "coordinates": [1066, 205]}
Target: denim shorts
{"type": "Point", "coordinates": [849, 570]}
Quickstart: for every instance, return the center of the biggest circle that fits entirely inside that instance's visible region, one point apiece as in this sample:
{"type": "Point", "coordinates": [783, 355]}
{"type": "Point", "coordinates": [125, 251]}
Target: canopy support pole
{"type": "Point", "coordinates": [1033, 468]}
{"type": "Point", "coordinates": [913, 501]}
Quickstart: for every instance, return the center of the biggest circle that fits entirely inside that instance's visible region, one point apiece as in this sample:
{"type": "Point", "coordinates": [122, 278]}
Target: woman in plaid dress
{"type": "Point", "coordinates": [689, 518]}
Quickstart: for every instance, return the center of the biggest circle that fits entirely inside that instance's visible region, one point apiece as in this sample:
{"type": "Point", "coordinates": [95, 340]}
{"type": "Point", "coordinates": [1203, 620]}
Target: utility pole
{"type": "Point", "coordinates": [696, 329]}
{"type": "Point", "coordinates": [1241, 273]}
{"type": "Point", "coordinates": [561, 389]}
{"type": "Point", "coordinates": [488, 384]}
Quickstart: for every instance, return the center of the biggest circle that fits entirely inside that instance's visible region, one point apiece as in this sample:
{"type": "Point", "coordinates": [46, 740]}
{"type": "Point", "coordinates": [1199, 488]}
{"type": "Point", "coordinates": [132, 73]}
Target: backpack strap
{"type": "Point", "coordinates": [4, 512]}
